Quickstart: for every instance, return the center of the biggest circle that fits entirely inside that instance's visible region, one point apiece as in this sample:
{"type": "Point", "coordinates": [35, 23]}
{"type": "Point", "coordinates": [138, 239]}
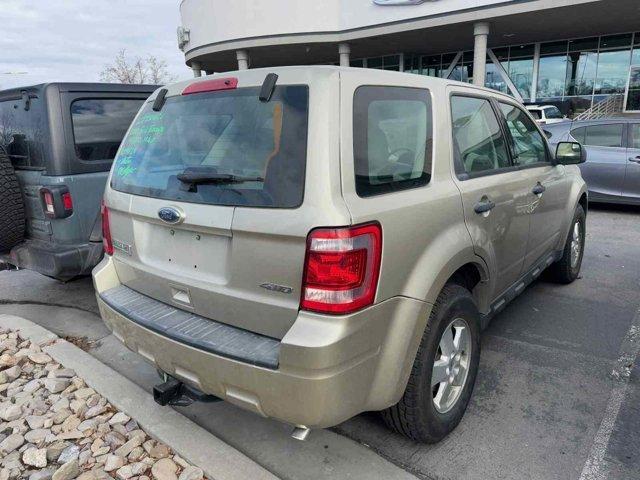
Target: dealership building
{"type": "Point", "coordinates": [578, 54]}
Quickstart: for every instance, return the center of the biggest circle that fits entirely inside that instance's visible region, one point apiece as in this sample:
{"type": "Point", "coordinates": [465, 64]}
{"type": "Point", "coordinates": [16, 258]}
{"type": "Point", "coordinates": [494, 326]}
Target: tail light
{"type": "Point", "coordinates": [107, 243]}
{"type": "Point", "coordinates": [56, 201]}
{"type": "Point", "coordinates": [341, 269]}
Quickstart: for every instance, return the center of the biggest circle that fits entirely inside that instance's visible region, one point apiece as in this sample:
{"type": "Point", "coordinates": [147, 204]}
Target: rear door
{"type": "Point", "coordinates": [548, 190]}
{"type": "Point", "coordinates": [606, 164]}
{"type": "Point", "coordinates": [631, 187]}
{"type": "Point", "coordinates": [233, 250]}
{"type": "Point", "coordinates": [495, 194]}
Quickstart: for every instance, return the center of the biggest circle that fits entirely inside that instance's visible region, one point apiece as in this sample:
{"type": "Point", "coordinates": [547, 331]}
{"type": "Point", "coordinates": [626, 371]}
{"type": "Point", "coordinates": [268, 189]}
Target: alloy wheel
{"type": "Point", "coordinates": [451, 366]}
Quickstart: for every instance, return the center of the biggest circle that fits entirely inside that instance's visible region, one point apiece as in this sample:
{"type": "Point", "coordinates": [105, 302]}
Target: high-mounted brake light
{"type": "Point", "coordinates": [214, 85]}
{"type": "Point", "coordinates": [341, 269]}
{"type": "Point", "coordinates": [107, 243]}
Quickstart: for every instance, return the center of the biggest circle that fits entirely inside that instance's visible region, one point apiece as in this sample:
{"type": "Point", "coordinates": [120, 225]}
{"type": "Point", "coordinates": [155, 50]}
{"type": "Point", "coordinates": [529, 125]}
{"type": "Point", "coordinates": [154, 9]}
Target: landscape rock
{"type": "Point", "coordinates": [67, 471]}
{"type": "Point", "coordinates": [11, 443]}
{"type": "Point", "coordinates": [56, 385]}
{"type": "Point", "coordinates": [35, 457]}
{"type": "Point", "coordinates": [11, 412]}
{"type": "Point", "coordinates": [191, 473]}
{"type": "Point", "coordinates": [164, 469]}
{"type": "Point", "coordinates": [68, 454]}
{"type": "Point", "coordinates": [113, 462]}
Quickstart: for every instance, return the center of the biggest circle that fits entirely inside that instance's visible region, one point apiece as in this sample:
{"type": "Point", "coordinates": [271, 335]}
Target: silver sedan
{"type": "Point", "coordinates": [612, 170]}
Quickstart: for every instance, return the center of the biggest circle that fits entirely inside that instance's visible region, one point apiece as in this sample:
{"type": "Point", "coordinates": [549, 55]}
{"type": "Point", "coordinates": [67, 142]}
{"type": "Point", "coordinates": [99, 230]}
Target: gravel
{"type": "Point", "coordinates": [54, 427]}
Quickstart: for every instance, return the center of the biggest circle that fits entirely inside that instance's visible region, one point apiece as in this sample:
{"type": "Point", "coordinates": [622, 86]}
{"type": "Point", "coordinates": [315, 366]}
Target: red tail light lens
{"type": "Point", "coordinates": [67, 202]}
{"type": "Point", "coordinates": [341, 269]}
{"type": "Point", "coordinates": [106, 230]}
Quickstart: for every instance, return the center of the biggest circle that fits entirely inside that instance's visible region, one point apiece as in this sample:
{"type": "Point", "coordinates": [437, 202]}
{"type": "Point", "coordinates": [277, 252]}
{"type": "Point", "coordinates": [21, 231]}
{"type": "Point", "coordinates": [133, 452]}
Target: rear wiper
{"type": "Point", "coordinates": [192, 178]}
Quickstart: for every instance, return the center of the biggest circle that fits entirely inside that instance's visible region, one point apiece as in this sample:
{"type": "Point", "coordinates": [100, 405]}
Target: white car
{"type": "Point", "coordinates": [546, 114]}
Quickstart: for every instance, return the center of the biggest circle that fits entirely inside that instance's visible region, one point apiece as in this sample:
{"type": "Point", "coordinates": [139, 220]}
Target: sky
{"type": "Point", "coordinates": [72, 40]}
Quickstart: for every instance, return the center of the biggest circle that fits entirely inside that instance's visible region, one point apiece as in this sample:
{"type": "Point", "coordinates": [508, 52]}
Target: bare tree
{"type": "Point", "coordinates": [138, 70]}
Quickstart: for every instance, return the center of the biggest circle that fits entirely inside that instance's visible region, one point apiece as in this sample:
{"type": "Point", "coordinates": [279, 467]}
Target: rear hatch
{"type": "Point", "coordinates": [210, 202]}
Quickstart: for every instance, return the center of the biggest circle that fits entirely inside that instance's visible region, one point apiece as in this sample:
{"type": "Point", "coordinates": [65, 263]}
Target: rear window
{"type": "Point", "coordinates": [392, 129]}
{"type": "Point", "coordinates": [599, 135]}
{"type": "Point", "coordinates": [100, 124]}
{"type": "Point", "coordinates": [553, 112]}
{"type": "Point", "coordinates": [243, 151]}
{"type": "Point", "coordinates": [537, 114]}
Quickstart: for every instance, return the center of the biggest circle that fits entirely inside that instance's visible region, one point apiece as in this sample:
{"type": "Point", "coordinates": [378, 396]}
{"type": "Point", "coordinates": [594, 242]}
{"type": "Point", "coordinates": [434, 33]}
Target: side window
{"type": "Point", "coordinates": [392, 139]}
{"type": "Point", "coordinates": [100, 124]}
{"type": "Point", "coordinates": [578, 134]}
{"type": "Point", "coordinates": [527, 143]}
{"type": "Point", "coordinates": [604, 135]}
{"type": "Point", "coordinates": [22, 132]}
{"type": "Point", "coordinates": [478, 142]}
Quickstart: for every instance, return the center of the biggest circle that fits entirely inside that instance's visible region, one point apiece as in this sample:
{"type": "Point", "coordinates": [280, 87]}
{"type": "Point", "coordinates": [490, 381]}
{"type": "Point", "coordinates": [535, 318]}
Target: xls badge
{"type": "Point", "coordinates": [123, 247]}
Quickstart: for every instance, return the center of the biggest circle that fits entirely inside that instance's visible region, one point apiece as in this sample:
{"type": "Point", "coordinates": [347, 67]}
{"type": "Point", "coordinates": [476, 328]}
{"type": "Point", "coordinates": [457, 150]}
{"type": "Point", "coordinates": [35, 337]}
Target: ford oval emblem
{"type": "Point", "coordinates": [170, 215]}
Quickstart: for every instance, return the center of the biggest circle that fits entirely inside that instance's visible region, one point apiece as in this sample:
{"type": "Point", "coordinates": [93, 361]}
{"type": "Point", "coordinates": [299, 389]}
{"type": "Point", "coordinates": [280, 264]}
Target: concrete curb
{"type": "Point", "coordinates": [193, 443]}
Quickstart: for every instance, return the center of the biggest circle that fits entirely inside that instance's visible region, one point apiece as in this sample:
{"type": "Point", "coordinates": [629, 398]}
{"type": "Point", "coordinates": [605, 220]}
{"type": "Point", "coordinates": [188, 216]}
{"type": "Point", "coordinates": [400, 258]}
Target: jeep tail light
{"type": "Point", "coordinates": [106, 230]}
{"type": "Point", "coordinates": [56, 201]}
{"type": "Point", "coordinates": [67, 202]}
{"type": "Point", "coordinates": [341, 269]}
{"type": "Point", "coordinates": [47, 199]}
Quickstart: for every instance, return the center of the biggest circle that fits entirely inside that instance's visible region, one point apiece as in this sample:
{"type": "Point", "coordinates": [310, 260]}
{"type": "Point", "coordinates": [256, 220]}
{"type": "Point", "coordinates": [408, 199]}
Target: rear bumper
{"type": "Point", "coordinates": [63, 262]}
{"type": "Point", "coordinates": [328, 368]}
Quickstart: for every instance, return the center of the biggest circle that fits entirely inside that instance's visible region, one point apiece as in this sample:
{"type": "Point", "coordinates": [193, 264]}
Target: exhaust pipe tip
{"type": "Point", "coordinates": [301, 433]}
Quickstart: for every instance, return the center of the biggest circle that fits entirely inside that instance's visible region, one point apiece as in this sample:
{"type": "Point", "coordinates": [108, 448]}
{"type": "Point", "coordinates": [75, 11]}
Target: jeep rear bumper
{"type": "Point", "coordinates": [326, 370]}
{"type": "Point", "coordinates": [63, 262]}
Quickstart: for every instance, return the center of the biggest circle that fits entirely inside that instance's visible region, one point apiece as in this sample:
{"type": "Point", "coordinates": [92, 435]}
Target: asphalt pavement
{"type": "Point", "coordinates": [557, 395]}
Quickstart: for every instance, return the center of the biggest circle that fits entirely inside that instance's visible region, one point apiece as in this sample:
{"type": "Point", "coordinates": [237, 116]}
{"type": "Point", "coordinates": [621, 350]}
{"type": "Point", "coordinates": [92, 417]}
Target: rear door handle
{"type": "Point", "coordinates": [539, 189]}
{"type": "Point", "coordinates": [483, 206]}
{"type": "Point", "coordinates": [635, 159]}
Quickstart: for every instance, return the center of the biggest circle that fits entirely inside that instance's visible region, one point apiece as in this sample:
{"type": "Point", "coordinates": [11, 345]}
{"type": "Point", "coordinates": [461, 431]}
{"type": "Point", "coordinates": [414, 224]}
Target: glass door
{"type": "Point", "coordinates": [632, 97]}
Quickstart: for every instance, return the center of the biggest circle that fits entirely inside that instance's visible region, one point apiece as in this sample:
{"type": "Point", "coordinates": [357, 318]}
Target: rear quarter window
{"type": "Point", "coordinates": [393, 138]}
{"type": "Point", "coordinates": [23, 131]}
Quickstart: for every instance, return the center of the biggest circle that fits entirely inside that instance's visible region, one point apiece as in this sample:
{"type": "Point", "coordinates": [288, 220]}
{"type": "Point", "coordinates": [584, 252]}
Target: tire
{"type": "Point", "coordinates": [12, 219]}
{"type": "Point", "coordinates": [566, 270]}
{"type": "Point", "coordinates": [417, 415]}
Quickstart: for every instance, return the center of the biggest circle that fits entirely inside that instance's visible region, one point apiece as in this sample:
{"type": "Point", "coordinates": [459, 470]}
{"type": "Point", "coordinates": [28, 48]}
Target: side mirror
{"type": "Point", "coordinates": [570, 153]}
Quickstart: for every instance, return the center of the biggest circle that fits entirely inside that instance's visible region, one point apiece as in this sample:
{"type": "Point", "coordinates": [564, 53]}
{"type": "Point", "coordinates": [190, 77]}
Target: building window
{"type": "Point", "coordinates": [521, 68]}
{"type": "Point", "coordinates": [553, 70]}
{"type": "Point", "coordinates": [389, 62]}
{"type": "Point", "coordinates": [613, 72]}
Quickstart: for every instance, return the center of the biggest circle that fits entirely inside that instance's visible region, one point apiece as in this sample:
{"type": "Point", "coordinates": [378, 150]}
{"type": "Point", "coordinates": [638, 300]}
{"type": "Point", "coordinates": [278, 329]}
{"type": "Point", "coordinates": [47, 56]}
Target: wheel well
{"type": "Point", "coordinates": [467, 276]}
{"type": "Point", "coordinates": [584, 202]}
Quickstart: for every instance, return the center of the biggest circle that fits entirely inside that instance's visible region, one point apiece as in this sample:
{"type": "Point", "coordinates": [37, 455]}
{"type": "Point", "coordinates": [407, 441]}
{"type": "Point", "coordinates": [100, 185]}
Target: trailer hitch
{"type": "Point", "coordinates": [175, 393]}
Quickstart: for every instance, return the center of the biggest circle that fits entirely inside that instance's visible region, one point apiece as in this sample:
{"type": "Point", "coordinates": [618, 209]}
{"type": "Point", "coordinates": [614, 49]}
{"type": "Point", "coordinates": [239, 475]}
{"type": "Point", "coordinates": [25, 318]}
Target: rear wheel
{"type": "Point", "coordinates": [444, 371]}
{"type": "Point", "coordinates": [567, 269]}
{"type": "Point", "coordinates": [12, 220]}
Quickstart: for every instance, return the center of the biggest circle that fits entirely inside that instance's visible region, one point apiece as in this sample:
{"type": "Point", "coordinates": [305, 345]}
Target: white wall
{"type": "Point", "coordinates": [213, 21]}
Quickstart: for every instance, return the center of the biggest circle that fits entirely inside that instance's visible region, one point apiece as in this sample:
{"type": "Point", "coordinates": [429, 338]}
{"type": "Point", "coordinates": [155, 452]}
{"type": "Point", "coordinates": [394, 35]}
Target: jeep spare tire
{"type": "Point", "coordinates": [12, 222]}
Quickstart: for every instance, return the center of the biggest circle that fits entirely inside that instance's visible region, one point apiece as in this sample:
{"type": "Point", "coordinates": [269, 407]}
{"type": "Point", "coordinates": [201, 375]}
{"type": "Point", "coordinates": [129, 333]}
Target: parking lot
{"type": "Point", "coordinates": [557, 396]}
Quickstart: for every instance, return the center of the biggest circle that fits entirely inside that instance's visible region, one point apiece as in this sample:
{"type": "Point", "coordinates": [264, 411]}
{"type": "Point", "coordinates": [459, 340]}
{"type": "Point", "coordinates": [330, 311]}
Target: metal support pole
{"type": "Point", "coordinates": [344, 51]}
{"type": "Point", "coordinates": [197, 69]}
{"type": "Point", "coordinates": [243, 59]}
{"type": "Point", "coordinates": [536, 73]}
{"type": "Point", "coordinates": [481, 33]}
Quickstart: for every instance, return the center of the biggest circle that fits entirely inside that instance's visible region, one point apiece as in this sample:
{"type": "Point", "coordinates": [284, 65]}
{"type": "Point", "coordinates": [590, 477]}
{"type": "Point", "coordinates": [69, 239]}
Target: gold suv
{"type": "Point", "coordinates": [313, 242]}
